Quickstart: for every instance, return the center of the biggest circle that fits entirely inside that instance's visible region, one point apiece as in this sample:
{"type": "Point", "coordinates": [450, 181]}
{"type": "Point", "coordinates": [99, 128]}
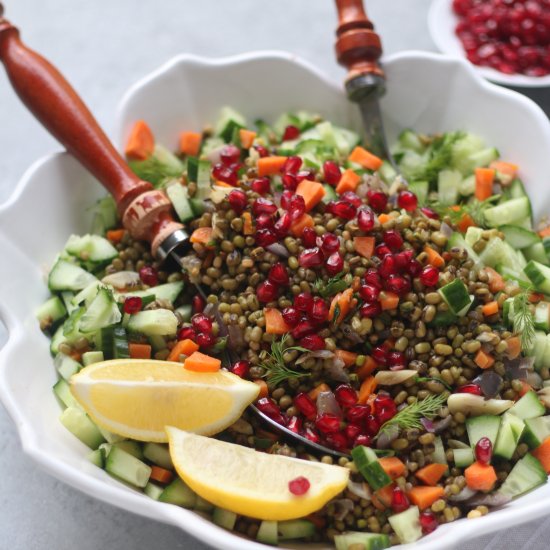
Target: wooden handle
{"type": "Point", "coordinates": [52, 100]}
{"type": "Point", "coordinates": [358, 46]}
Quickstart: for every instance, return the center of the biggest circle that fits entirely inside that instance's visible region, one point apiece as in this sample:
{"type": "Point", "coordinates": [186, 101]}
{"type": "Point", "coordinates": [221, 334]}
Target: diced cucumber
{"type": "Point", "coordinates": [407, 525]}
{"type": "Point", "coordinates": [167, 291]}
{"type": "Point", "coordinates": [224, 518]}
{"type": "Point", "coordinates": [529, 406]}
{"type": "Point", "coordinates": [131, 447]}
{"type": "Point", "coordinates": [527, 474]}
{"type": "Point", "coordinates": [499, 252]}
{"type": "Point", "coordinates": [439, 455]}
{"type": "Point", "coordinates": [409, 140]}
{"type": "Point", "coordinates": [482, 426]}
{"type": "Point", "coordinates": [267, 533]}
{"type": "Point", "coordinates": [448, 182]}
{"type": "Point", "coordinates": [87, 294]}
{"type": "Point", "coordinates": [518, 237]}
{"type": "Point", "coordinates": [91, 248]}
{"type": "Point", "coordinates": [368, 465]}
{"type": "Point", "coordinates": [539, 275]}
{"type": "Point", "coordinates": [106, 209]}
{"type": "Point", "coordinates": [68, 276]}
{"type": "Point", "coordinates": [127, 467]}
{"type": "Point", "coordinates": [464, 146]}
{"type": "Point", "coordinates": [539, 348]}
{"type": "Point", "coordinates": [179, 197]}
{"type": "Point", "coordinates": [110, 437]}
{"type": "Point", "coordinates": [63, 392]}
{"type": "Point", "coordinates": [351, 540]}
{"type": "Point", "coordinates": [388, 173]}
{"type": "Point", "coordinates": [509, 433]}
{"type": "Point", "coordinates": [508, 213]}
{"type": "Point", "coordinates": [66, 366]}
{"type": "Point", "coordinates": [158, 454]}
{"type": "Point", "coordinates": [412, 164]}
{"type": "Point", "coordinates": [50, 312]}
{"type": "Point", "coordinates": [473, 234]}
{"type": "Point", "coordinates": [160, 322]}
{"type": "Point", "coordinates": [517, 189]}
{"type": "Point", "coordinates": [330, 193]}
{"type": "Point", "coordinates": [173, 166]}
{"type": "Point", "coordinates": [420, 189]}
{"type": "Point", "coordinates": [153, 490]}
{"type": "Point", "coordinates": [179, 493]}
{"type": "Point", "coordinates": [455, 294]}
{"type": "Point", "coordinates": [463, 457]}
{"type": "Point", "coordinates": [120, 344]}
{"type": "Point", "coordinates": [542, 316]}
{"type": "Point", "coordinates": [204, 187]}
{"type": "Point", "coordinates": [467, 186]}
{"type": "Point", "coordinates": [102, 312]}
{"type": "Point", "coordinates": [536, 252]}
{"type": "Point", "coordinates": [157, 342]}
{"type": "Point", "coordinates": [202, 505]}
{"type": "Point", "coordinates": [536, 430]}
{"type": "Point", "coordinates": [57, 338]}
{"type": "Point", "coordinates": [295, 529]}
{"type": "Point", "coordinates": [456, 240]}
{"type": "Point", "coordinates": [228, 120]}
{"type": "Point", "coordinates": [90, 357]}
{"type": "Point", "coordinates": [80, 425]}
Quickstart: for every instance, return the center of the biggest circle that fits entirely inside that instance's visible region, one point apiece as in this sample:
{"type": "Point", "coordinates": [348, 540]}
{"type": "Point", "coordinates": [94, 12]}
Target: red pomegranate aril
{"type": "Point", "coordinates": [327, 423]}
{"type": "Point", "coordinates": [230, 154]}
{"type": "Point", "coordinates": [303, 301]}
{"type": "Point", "coordinates": [398, 284]}
{"type": "Point", "coordinates": [345, 395]}
{"type": "Point", "coordinates": [370, 309]}
{"type": "Point", "coordinates": [407, 200]}
{"type": "Point", "coordinates": [261, 186]}
{"type": "Point", "coordinates": [305, 405]}
{"type": "Point", "coordinates": [429, 276]}
{"type": "Point", "coordinates": [282, 225]}
{"type": "Point", "coordinates": [363, 439]}
{"type": "Point", "coordinates": [237, 200]}
{"type": "Point", "coordinates": [295, 424]}
{"type": "Point", "coordinates": [312, 342]}
{"type": "Point", "coordinates": [311, 257]}
{"type": "Point", "coordinates": [265, 237]}
{"type": "Point", "coordinates": [337, 441]}
{"type": "Point", "coordinates": [393, 239]}
{"type": "Point", "coordinates": [312, 435]}
{"type": "Point", "coordinates": [474, 389]}
{"type": "Point", "coordinates": [302, 329]}
{"type": "Point", "coordinates": [285, 198]}
{"type": "Point", "coordinates": [381, 251]}
{"type": "Point", "coordinates": [352, 198]}
{"type": "Point", "coordinates": [296, 207]}
{"type": "Point", "coordinates": [366, 219]}
{"type": "Point", "coordinates": [357, 413]}
{"type": "Point", "coordinates": [334, 264]}
{"type": "Point", "coordinates": [414, 268]}
{"type": "Point", "coordinates": [387, 267]}
{"type": "Point", "coordinates": [372, 425]}
{"type": "Point", "coordinates": [399, 500]}
{"type": "Point", "coordinates": [263, 206]}
{"type": "Point", "coordinates": [352, 431]}
{"type": "Point", "coordinates": [429, 213]}
{"type": "Point", "coordinates": [380, 355]}
{"type": "Point", "coordinates": [291, 316]}
{"type": "Point", "coordinates": [309, 237]}
{"type": "Point", "coordinates": [397, 359]}
{"type": "Point", "coordinates": [344, 209]}
{"type": "Point", "coordinates": [331, 172]}
{"type": "Point", "coordinates": [385, 414]}
{"type": "Point", "coordinates": [329, 243]}
{"type": "Point", "coordinates": [187, 333]}
{"type": "Point", "coordinates": [372, 277]}
{"type": "Point", "coordinates": [198, 303]}
{"type": "Point", "coordinates": [290, 181]}
{"type": "Point", "coordinates": [428, 522]}
{"type": "Point", "coordinates": [369, 293]}
{"type": "Point", "coordinates": [484, 450]}
{"type": "Point", "coordinates": [267, 292]}
{"type": "Point", "coordinates": [307, 174]}
{"type": "Point", "coordinates": [202, 323]}
{"type": "Point", "coordinates": [292, 165]}
{"type": "Point", "coordinates": [148, 276]}
{"type": "Point", "coordinates": [291, 132]}
{"type": "Point", "coordinates": [240, 368]}
{"type": "Point", "coordinates": [205, 340]}
{"type": "Point", "coordinates": [268, 406]}
{"type": "Point", "coordinates": [132, 304]}
{"type": "Point", "coordinates": [264, 221]}
{"type": "Point", "coordinates": [224, 173]}
{"type": "Point", "coordinates": [278, 274]}
{"type": "Point", "coordinates": [319, 310]}
{"type": "Point", "coordinates": [377, 200]}
{"type": "Point", "coordinates": [403, 258]}
{"type": "Point", "coordinates": [383, 400]}
{"type": "Point", "coordinates": [262, 151]}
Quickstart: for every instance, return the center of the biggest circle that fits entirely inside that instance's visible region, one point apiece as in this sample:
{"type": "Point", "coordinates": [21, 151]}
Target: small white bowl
{"type": "Point", "coordinates": [427, 92]}
{"type": "Point", "coordinates": [442, 23]}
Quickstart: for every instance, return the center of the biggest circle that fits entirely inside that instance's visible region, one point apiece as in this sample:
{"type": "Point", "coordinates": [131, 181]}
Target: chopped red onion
{"type": "Point", "coordinates": [534, 380]}
{"type": "Point", "coordinates": [214, 155]}
{"type": "Point", "coordinates": [465, 494]}
{"type": "Point", "coordinates": [235, 337]}
{"type": "Point", "coordinates": [337, 371]}
{"type": "Point", "coordinates": [428, 424]}
{"type": "Point", "coordinates": [491, 500]}
{"type": "Point", "coordinates": [278, 249]}
{"type": "Point", "coordinates": [212, 310]}
{"type": "Point", "coordinates": [343, 507]}
{"type": "Point", "coordinates": [441, 425]}
{"type": "Point", "coordinates": [327, 404]}
{"type": "Point", "coordinates": [352, 334]}
{"type": "Point", "coordinates": [122, 280]}
{"type": "Point", "coordinates": [387, 437]}
{"type": "Point", "coordinates": [490, 383]}
{"type": "Point", "coordinates": [446, 229]}
{"type": "Point", "coordinates": [359, 489]}
{"type": "Point", "coordinates": [317, 354]}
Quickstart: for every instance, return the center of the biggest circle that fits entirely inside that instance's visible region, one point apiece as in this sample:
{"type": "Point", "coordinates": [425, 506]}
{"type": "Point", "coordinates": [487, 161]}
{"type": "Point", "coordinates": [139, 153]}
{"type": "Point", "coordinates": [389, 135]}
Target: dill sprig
{"type": "Point", "coordinates": [273, 362]}
{"type": "Point", "coordinates": [474, 208]}
{"type": "Point", "coordinates": [524, 322]}
{"type": "Point", "coordinates": [154, 170]}
{"type": "Point", "coordinates": [335, 284]}
{"type": "Point", "coordinates": [432, 378]}
{"type": "Point", "coordinates": [410, 416]}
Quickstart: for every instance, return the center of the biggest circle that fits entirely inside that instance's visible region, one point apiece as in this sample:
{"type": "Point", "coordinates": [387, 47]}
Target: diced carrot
{"type": "Point", "coordinates": [490, 308]}
{"type": "Point", "coordinates": [465, 222]}
{"type": "Point", "coordinates": [220, 183]}
{"type": "Point", "coordinates": [161, 474]}
{"type": "Point", "coordinates": [247, 138]}
{"type": "Point", "coordinates": [340, 306]}
{"type": "Point", "coordinates": [367, 368]}
{"type": "Point", "coordinates": [484, 183]}
{"type": "Point", "coordinates": [190, 143]}
{"type": "Point", "coordinates": [115, 235]}
{"type": "Point", "coordinates": [264, 390]}
{"type": "Point", "coordinates": [367, 160]}
{"type": "Point", "coordinates": [542, 454]}
{"type": "Point", "coordinates": [388, 300]}
{"type": "Point", "coordinates": [424, 497]}
{"type": "Point", "coordinates": [434, 258]}
{"type": "Point", "coordinates": [432, 473]}
{"type": "Point", "coordinates": [367, 388]}
{"type": "Point", "coordinates": [182, 347]}
{"type": "Point", "coordinates": [348, 357]}
{"type": "Point", "coordinates": [297, 228]}
{"type": "Point", "coordinates": [248, 228]}
{"type": "Point", "coordinates": [506, 168]}
{"type": "Point", "coordinates": [199, 362]}
{"type": "Point", "coordinates": [202, 235]}
{"type": "Point", "coordinates": [484, 360]}
{"type": "Point", "coordinates": [317, 520]}
{"type": "Point", "coordinates": [545, 232]}
{"type": "Point", "coordinates": [525, 387]}
{"type": "Point", "coordinates": [384, 218]}
{"type": "Point", "coordinates": [480, 477]}
{"type": "Point", "coordinates": [348, 181]}
{"type": "Point", "coordinates": [76, 355]}
{"type": "Point", "coordinates": [139, 351]}
{"type": "Point", "coordinates": [141, 142]}
{"type": "Point", "coordinates": [392, 466]}
{"type": "Point", "coordinates": [514, 347]}
{"type": "Point", "coordinates": [317, 390]}
{"type": "Point", "coordinates": [496, 282]}
{"type": "Point", "coordinates": [274, 322]}
{"type": "Point", "coordinates": [268, 166]}
{"type": "Point", "coordinates": [382, 498]}
{"type": "Point", "coordinates": [535, 297]}
{"type": "Point", "coordinates": [364, 246]}
{"type": "Point", "coordinates": [312, 191]}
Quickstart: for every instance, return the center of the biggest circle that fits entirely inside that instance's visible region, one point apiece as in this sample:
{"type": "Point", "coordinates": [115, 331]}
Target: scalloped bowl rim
{"type": "Point", "coordinates": [192, 523]}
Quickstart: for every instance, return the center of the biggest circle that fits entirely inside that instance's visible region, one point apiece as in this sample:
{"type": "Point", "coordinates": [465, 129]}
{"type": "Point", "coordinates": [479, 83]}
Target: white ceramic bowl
{"type": "Point", "coordinates": [442, 23]}
{"type": "Point", "coordinates": [427, 92]}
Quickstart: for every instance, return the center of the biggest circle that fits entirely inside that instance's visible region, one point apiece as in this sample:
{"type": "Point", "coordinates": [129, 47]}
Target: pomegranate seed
{"type": "Point", "coordinates": [352, 198]}
{"type": "Point", "coordinates": [224, 173]}
{"type": "Point", "coordinates": [263, 206]}
{"type": "Point", "coordinates": [385, 414]}
{"type": "Point", "coordinates": [312, 342]}
{"type": "Point", "coordinates": [345, 395]}
{"type": "Point", "coordinates": [268, 406]}
{"type": "Point", "coordinates": [372, 425]}
{"type": "Point", "coordinates": [337, 441]}
{"type": "Point", "coordinates": [372, 277]}
{"type": "Point", "coordinates": [429, 213]}
{"type": "Point", "coordinates": [267, 292]}
{"type": "Point", "coordinates": [261, 186]}
{"type": "Point", "coordinates": [362, 439]}
{"type": "Point", "coordinates": [290, 181]}
{"type": "Point", "coordinates": [292, 165]}
{"type": "Point", "coordinates": [202, 323]}
{"type": "Point", "coordinates": [377, 200]}
{"type": "Point", "coordinates": [312, 435]}
{"type": "Point", "coordinates": [414, 268]}
{"type": "Point", "coordinates": [278, 274]}
{"type": "Point", "coordinates": [237, 200]}
{"type": "Point", "coordinates": [132, 304]}
{"type": "Point", "coordinates": [230, 154]}
{"type": "Point", "coordinates": [369, 293]}
{"type": "Point", "coordinates": [474, 389]}
{"type": "Point", "coordinates": [264, 221]}
{"type": "Point", "coordinates": [309, 237]}
{"type": "Point", "coordinates": [265, 237]}
{"type": "Point", "coordinates": [291, 316]}
{"type": "Point", "coordinates": [403, 258]}
{"type": "Point", "coordinates": [484, 450]}
{"type": "Point", "coordinates": [357, 413]}
{"type": "Point", "coordinates": [205, 340]}
{"type": "Point", "coordinates": [428, 522]}
{"type": "Point", "coordinates": [387, 267]}
{"type": "Point", "coordinates": [296, 207]}
{"type": "Point", "coordinates": [380, 355]}
{"type": "Point", "coordinates": [285, 198]}
{"type": "Point", "coordinates": [311, 257]}
{"type": "Point", "coordinates": [240, 368]}
{"type": "Point", "coordinates": [393, 239]}
{"type": "Point", "coordinates": [303, 301]}
{"type": "Point", "coordinates": [148, 276]}
{"type": "Point", "coordinates": [407, 200]}
{"type": "Point", "coordinates": [187, 333]}
{"type": "Point", "coordinates": [396, 359]}
{"type": "Point", "coordinates": [291, 132]}
{"type": "Point", "coordinates": [307, 174]}
{"type": "Point", "coordinates": [370, 309]}
{"type": "Point", "coordinates": [334, 264]}
{"type": "Point", "coordinates": [282, 225]}
{"type": "Point", "coordinates": [329, 243]}
{"type": "Point", "coordinates": [383, 400]}
{"type": "Point", "coordinates": [327, 423]}
{"type": "Point", "coordinates": [305, 405]}
{"type": "Point", "coordinates": [343, 209]}
{"type": "Point", "coordinates": [302, 329]}
{"type": "Point", "coordinates": [331, 172]}
{"type": "Point", "coordinates": [398, 284]}
{"type": "Point", "coordinates": [399, 500]}
{"type": "Point", "coordinates": [365, 219]}
{"type": "Point", "coordinates": [382, 250]}
{"type": "Point", "coordinates": [319, 310]}
{"type": "Point", "coordinates": [295, 424]}
{"type": "Point", "coordinates": [429, 276]}
{"type": "Point", "coordinates": [352, 431]}
{"type": "Point", "coordinates": [198, 303]}
{"type": "Point", "coordinates": [262, 151]}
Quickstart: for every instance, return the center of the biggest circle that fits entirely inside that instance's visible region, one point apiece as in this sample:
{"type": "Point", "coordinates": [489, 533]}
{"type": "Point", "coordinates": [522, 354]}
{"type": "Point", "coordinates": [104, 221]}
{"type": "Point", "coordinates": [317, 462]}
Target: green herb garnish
{"type": "Point", "coordinates": [274, 363]}
{"type": "Point", "coordinates": [335, 284]}
{"type": "Point", "coordinates": [154, 170]}
{"type": "Point", "coordinates": [474, 208]}
{"type": "Point", "coordinates": [524, 322]}
{"type": "Point", "coordinates": [431, 378]}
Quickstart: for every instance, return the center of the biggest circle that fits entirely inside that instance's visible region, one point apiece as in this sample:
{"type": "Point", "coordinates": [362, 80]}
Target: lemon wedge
{"type": "Point", "coordinates": [251, 483]}
{"type": "Point", "coordinates": [137, 398]}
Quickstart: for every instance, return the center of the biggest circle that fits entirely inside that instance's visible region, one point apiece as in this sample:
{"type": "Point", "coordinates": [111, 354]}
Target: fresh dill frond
{"type": "Point", "coordinates": [273, 362]}
{"type": "Point", "coordinates": [410, 416]}
{"type": "Point", "coordinates": [524, 322]}
{"type": "Point", "coordinates": [441, 154]}
{"type": "Point", "coordinates": [433, 379]}
{"type": "Point", "coordinates": [335, 284]}
{"type": "Point", "coordinates": [474, 208]}
{"type": "Point", "coordinates": [154, 170]}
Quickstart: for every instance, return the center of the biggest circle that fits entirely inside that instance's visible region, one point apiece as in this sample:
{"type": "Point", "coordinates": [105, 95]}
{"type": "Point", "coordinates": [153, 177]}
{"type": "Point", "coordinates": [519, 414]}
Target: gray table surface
{"type": "Point", "coordinates": [103, 48]}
